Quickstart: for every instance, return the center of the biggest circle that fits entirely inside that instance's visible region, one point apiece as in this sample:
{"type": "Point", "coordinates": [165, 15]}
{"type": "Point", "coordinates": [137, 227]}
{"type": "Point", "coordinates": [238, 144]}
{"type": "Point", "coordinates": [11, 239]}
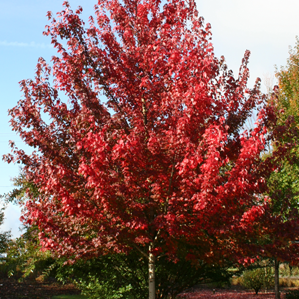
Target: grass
{"type": "Point", "coordinates": [69, 297]}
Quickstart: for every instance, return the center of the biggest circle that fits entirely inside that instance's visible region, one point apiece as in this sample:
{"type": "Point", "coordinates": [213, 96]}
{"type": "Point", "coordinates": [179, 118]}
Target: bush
{"type": "Point", "coordinates": [93, 288]}
{"type": "Point", "coordinates": [257, 279]}
{"type": "Point", "coordinates": [127, 276]}
{"type": "Point", "coordinates": [111, 276]}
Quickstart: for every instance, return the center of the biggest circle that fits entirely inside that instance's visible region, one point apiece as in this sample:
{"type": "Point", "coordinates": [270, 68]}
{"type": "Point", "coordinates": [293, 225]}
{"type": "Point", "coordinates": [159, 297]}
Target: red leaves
{"type": "Point", "coordinates": [49, 15]}
{"type": "Point", "coordinates": [148, 147]}
{"type": "Point", "coordinates": [252, 215]}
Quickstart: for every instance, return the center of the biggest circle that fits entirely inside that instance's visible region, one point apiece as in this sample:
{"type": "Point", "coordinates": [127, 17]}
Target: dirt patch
{"type": "Point", "coordinates": [11, 289]}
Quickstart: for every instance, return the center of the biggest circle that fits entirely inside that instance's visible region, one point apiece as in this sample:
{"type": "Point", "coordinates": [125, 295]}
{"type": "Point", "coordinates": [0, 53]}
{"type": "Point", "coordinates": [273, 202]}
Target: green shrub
{"type": "Point", "coordinates": [109, 276]}
{"type": "Point", "coordinates": [128, 274]}
{"type": "Point", "coordinates": [93, 288]}
{"type": "Point", "coordinates": [257, 279]}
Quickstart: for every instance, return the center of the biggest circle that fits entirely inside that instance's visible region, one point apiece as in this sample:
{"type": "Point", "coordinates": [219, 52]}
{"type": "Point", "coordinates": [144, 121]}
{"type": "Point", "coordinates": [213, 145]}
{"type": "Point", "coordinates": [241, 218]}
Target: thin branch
{"type": "Point", "coordinates": [143, 253]}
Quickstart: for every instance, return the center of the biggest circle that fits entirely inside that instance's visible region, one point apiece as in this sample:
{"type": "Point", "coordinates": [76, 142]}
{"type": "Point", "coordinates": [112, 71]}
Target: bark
{"type": "Point", "coordinates": [276, 266]}
{"type": "Point", "coordinates": [151, 274]}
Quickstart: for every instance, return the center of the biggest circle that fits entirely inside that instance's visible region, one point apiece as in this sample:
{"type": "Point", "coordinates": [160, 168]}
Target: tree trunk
{"type": "Point", "coordinates": [151, 274]}
{"type": "Point", "coordinates": [276, 279]}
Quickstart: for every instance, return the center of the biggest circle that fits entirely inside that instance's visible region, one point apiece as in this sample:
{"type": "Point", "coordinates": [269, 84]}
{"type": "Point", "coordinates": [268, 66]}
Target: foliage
{"type": "Point", "coordinates": [268, 278]}
{"type": "Point", "coordinates": [283, 188]}
{"type": "Point", "coordinates": [25, 258]}
{"type": "Point", "coordinates": [284, 185]}
{"type": "Point", "coordinates": [287, 94]}
{"type": "Point", "coordinates": [4, 236]}
{"type": "Point", "coordinates": [112, 275]}
{"type": "Point", "coordinates": [105, 277]}
{"type": "Point", "coordinates": [21, 187]}
{"type": "Point", "coordinates": [94, 289]}
{"type": "Point", "coordinates": [285, 99]}
{"type": "Point", "coordinates": [148, 151]}
{"type": "Point", "coordinates": [4, 241]}
{"type": "Point", "coordinates": [289, 270]}
{"type": "Point", "coordinates": [257, 279]}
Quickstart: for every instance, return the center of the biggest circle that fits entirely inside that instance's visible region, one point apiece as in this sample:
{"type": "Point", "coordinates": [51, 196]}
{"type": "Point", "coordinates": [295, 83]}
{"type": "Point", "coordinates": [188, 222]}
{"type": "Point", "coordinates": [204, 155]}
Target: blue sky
{"type": "Point", "coordinates": [266, 28]}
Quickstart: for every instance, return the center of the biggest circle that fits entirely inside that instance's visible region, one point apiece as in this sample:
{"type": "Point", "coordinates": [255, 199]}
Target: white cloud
{"type": "Point", "coordinates": [21, 44]}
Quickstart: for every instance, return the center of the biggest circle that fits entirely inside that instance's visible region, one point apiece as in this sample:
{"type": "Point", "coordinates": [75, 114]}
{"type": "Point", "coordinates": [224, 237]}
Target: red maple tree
{"type": "Point", "coordinates": [148, 151]}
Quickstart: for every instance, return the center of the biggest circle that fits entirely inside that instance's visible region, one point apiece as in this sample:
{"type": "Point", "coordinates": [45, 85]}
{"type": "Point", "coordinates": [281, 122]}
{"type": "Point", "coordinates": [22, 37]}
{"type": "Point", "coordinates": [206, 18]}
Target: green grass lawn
{"type": "Point", "coordinates": [69, 297]}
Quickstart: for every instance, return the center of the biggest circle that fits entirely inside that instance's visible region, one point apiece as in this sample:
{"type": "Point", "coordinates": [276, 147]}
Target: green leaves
{"type": "Point", "coordinates": [4, 236]}
{"type": "Point", "coordinates": [257, 279]}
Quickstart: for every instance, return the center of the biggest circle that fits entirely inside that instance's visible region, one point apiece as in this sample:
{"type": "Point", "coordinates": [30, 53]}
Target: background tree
{"type": "Point", "coordinates": [4, 236]}
{"type": "Point", "coordinates": [24, 258]}
{"type": "Point", "coordinates": [283, 185]}
{"type": "Point", "coordinates": [147, 153]}
{"type": "Point", "coordinates": [287, 91]}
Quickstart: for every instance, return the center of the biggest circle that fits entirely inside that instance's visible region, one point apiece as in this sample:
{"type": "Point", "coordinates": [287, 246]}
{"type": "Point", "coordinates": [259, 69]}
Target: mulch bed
{"type": "Point", "coordinates": [11, 289]}
{"type": "Point", "coordinates": [235, 292]}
